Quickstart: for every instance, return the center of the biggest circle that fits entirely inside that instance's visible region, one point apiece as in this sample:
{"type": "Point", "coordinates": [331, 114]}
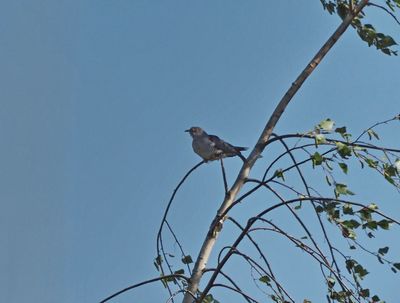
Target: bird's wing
{"type": "Point", "coordinates": [220, 144]}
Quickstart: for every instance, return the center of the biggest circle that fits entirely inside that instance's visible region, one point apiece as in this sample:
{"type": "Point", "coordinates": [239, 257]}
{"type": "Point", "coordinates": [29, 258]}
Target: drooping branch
{"type": "Point", "coordinates": [281, 290]}
{"type": "Point", "coordinates": [237, 291]}
{"type": "Point", "coordinates": [160, 246]}
{"type": "Point", "coordinates": [386, 10]}
{"type": "Point", "coordinates": [306, 187]}
{"type": "Point", "coordinates": [144, 283]}
{"type": "Point", "coordinates": [261, 271]}
{"type": "Point", "coordinates": [252, 220]}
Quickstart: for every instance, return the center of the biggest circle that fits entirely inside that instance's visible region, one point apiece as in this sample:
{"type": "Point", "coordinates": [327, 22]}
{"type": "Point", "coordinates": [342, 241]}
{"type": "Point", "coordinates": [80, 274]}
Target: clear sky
{"type": "Point", "coordinates": [95, 96]}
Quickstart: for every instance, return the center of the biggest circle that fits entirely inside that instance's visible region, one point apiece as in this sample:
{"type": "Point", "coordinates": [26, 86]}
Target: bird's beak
{"type": "Point", "coordinates": [187, 130]}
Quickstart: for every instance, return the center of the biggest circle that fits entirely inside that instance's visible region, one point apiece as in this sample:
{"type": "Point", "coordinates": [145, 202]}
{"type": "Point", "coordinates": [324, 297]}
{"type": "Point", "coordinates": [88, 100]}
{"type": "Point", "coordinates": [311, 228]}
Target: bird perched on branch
{"type": "Point", "coordinates": [210, 147]}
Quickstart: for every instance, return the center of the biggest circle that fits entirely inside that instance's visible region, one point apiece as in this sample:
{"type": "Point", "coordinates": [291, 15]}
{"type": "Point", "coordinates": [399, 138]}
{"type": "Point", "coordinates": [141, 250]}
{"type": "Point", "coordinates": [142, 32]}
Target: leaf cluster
{"type": "Point", "coordinates": [366, 31]}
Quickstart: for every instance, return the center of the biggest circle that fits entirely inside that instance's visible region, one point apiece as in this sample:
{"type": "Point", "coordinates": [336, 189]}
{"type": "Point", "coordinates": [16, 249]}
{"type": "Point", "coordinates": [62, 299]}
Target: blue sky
{"type": "Point", "coordinates": [95, 97]}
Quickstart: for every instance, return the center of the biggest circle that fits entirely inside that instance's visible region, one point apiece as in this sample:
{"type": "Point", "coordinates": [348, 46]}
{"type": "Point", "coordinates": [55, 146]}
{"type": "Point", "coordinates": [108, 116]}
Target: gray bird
{"type": "Point", "coordinates": [210, 147]}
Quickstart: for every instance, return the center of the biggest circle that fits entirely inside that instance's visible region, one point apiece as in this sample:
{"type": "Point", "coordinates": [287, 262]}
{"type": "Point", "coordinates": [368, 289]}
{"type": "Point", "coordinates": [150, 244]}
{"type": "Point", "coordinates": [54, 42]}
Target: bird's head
{"type": "Point", "coordinates": [195, 131]}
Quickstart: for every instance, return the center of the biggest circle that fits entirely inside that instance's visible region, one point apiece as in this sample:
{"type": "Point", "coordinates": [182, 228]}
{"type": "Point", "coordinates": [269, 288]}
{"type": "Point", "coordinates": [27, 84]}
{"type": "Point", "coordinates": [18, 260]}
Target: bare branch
{"type": "Point", "coordinates": [263, 257]}
{"type": "Point", "coordinates": [160, 248]}
{"type": "Point", "coordinates": [386, 10]}
{"type": "Point", "coordinates": [224, 176]}
{"type": "Point", "coordinates": [144, 283]}
{"type": "Point", "coordinates": [251, 221]}
{"type": "Point", "coordinates": [235, 290]}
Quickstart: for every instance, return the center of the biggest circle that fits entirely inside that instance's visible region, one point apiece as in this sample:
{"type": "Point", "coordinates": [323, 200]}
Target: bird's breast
{"type": "Point", "coordinates": [204, 148]}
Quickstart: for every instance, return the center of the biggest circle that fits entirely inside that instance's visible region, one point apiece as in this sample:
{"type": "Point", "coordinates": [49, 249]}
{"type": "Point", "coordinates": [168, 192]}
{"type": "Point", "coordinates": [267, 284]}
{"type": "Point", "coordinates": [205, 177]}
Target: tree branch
{"type": "Point", "coordinates": [251, 221]}
{"type": "Point", "coordinates": [217, 223]}
{"type": "Point", "coordinates": [143, 283]}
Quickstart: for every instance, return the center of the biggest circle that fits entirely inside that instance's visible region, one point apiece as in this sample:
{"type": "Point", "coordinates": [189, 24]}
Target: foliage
{"type": "Point", "coordinates": [366, 31]}
{"type": "Point", "coordinates": [332, 152]}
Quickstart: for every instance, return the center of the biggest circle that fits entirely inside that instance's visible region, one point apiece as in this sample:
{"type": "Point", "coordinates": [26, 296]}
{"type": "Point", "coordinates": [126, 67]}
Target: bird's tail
{"type": "Point", "coordinates": [240, 148]}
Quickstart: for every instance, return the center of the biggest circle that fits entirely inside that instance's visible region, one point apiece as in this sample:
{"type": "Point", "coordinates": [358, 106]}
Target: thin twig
{"type": "Point", "coordinates": [235, 290]}
{"type": "Point", "coordinates": [263, 257]}
{"type": "Point", "coordinates": [224, 176]}
{"type": "Point", "coordinates": [303, 180]}
{"type": "Point", "coordinates": [386, 10]}
{"type": "Point", "coordinates": [251, 221]}
{"type": "Point", "coordinates": [159, 234]}
{"type": "Point", "coordinates": [143, 283]}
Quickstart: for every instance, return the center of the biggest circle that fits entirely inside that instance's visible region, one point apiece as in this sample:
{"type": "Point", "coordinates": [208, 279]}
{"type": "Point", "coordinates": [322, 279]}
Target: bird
{"type": "Point", "coordinates": [211, 147]}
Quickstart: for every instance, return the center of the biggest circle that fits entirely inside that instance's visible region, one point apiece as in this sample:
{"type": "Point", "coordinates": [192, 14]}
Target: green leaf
{"type": "Point", "coordinates": [319, 209]}
{"type": "Point", "coordinates": [341, 130]}
{"type": "Point", "coordinates": [367, 33]}
{"type": "Point", "coordinates": [351, 223]}
{"type": "Point", "coordinates": [317, 159]}
{"type": "Point", "coordinates": [208, 299]}
{"type": "Point", "coordinates": [344, 167]}
{"type": "Point", "coordinates": [371, 163]}
{"type": "Point", "coordinates": [319, 139]}
{"type": "Point", "coordinates": [341, 189]}
{"type": "Point", "coordinates": [347, 209]}
{"type": "Point", "coordinates": [386, 51]}
{"type": "Point", "coordinates": [389, 171]}
{"type": "Point", "coordinates": [279, 174]}
{"type": "Point", "coordinates": [372, 206]}
{"type": "Point", "coordinates": [387, 41]}
{"type": "Point", "coordinates": [373, 225]}
{"type": "Point", "coordinates": [331, 206]}
{"type": "Point", "coordinates": [397, 265]}
{"type": "Point", "coordinates": [159, 259]}
{"type": "Point", "coordinates": [371, 133]}
{"type": "Point", "coordinates": [342, 10]}
{"type": "Point", "coordinates": [265, 279]}
{"type": "Point", "coordinates": [361, 271]}
{"type": "Point", "coordinates": [179, 272]}
{"type": "Point", "coordinates": [375, 299]}
{"type": "Point", "coordinates": [326, 125]}
{"type": "Point", "coordinates": [365, 214]}
{"type": "Point", "coordinates": [157, 262]}
{"type": "Point", "coordinates": [382, 251]}
{"type": "Point", "coordinates": [343, 150]}
{"type": "Point", "coordinates": [384, 224]}
{"type": "Point", "coordinates": [350, 263]}
{"type": "Point", "coordinates": [331, 282]}
{"type": "Point", "coordinates": [364, 293]}
{"type": "Point", "coordinates": [187, 259]}
{"type": "Point", "coordinates": [349, 233]}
